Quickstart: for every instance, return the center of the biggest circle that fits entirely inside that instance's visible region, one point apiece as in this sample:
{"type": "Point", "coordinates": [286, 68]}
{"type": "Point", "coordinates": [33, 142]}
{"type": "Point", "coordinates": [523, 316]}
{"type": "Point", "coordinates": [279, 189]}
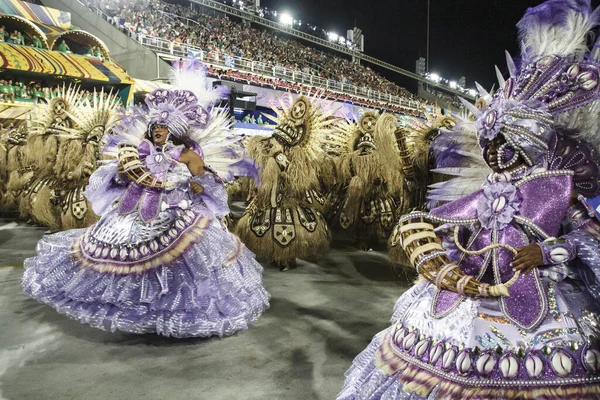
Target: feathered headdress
{"type": "Point", "coordinates": [191, 74]}
{"type": "Point", "coordinates": [190, 117]}
{"type": "Point", "coordinates": [549, 105]}
{"type": "Point", "coordinates": [178, 110]}
{"type": "Point", "coordinates": [304, 122]}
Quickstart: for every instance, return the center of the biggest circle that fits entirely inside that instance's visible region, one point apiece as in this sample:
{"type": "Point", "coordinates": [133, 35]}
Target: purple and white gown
{"type": "Point", "coordinates": [541, 342]}
{"type": "Point", "coordinates": [158, 261]}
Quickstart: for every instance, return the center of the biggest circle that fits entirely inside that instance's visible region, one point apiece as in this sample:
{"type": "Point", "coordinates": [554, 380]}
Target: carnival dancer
{"type": "Point", "coordinates": [507, 307]}
{"type": "Point", "coordinates": [12, 166]}
{"type": "Point", "coordinates": [421, 145]}
{"type": "Point", "coordinates": [159, 260]}
{"type": "Point", "coordinates": [371, 177]}
{"type": "Point", "coordinates": [54, 196]}
{"type": "Point", "coordinates": [285, 219]}
{"type": "Point", "coordinates": [41, 151]}
{"type": "Point", "coordinates": [417, 143]}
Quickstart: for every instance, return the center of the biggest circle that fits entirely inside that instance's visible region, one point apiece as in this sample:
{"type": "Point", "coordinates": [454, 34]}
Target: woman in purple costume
{"type": "Point", "coordinates": [527, 237]}
{"type": "Point", "coordinates": [159, 260]}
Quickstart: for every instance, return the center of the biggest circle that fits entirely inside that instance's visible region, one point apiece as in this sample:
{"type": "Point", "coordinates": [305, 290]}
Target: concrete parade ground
{"type": "Point", "coordinates": [321, 316]}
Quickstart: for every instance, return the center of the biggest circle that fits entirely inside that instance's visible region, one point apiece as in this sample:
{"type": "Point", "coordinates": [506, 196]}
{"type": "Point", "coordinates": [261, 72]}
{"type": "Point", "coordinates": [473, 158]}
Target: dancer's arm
{"type": "Point", "coordinates": [193, 161]}
{"type": "Point", "coordinates": [584, 228]}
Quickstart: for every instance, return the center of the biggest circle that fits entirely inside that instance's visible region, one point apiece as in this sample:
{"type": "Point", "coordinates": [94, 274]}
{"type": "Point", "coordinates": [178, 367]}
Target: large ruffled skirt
{"type": "Point", "coordinates": [475, 353]}
{"type": "Point", "coordinates": [212, 287]}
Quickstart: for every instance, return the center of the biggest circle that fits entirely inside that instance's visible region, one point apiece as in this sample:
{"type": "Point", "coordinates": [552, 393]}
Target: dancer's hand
{"type": "Point", "coordinates": [196, 188]}
{"type": "Point", "coordinates": [527, 258]}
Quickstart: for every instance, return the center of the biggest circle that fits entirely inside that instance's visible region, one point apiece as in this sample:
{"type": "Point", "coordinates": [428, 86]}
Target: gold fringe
{"type": "Point", "coordinates": [69, 159]}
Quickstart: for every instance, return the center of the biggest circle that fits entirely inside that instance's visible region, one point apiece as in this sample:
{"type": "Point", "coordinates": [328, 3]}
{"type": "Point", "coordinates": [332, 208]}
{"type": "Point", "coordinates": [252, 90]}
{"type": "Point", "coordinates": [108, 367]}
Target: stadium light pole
{"type": "Point", "coordinates": [427, 66]}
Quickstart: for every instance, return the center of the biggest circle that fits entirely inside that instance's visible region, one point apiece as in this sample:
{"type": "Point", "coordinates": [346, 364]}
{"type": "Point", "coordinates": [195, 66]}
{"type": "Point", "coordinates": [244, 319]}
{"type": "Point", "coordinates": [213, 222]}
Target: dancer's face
{"type": "Point", "coordinates": [491, 155]}
{"type": "Point", "coordinates": [159, 134]}
{"type": "Point", "coordinates": [491, 152]}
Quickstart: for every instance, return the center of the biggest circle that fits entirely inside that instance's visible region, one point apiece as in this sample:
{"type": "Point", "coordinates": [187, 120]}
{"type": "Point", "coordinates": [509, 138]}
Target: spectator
{"type": "Point", "coordinates": [38, 94]}
{"type": "Point", "coordinates": [37, 42]}
{"type": "Point", "coordinates": [25, 93]}
{"type": "Point", "coordinates": [3, 91]}
{"type": "Point", "coordinates": [10, 91]}
{"type": "Point", "coordinates": [63, 47]}
{"type": "Point", "coordinates": [3, 34]}
{"type": "Point", "coordinates": [15, 37]}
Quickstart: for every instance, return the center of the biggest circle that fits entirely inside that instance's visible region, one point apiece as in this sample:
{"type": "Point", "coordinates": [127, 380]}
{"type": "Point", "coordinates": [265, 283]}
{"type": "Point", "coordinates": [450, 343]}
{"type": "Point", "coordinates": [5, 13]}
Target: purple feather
{"type": "Point", "coordinates": [111, 142]}
{"type": "Point", "coordinates": [449, 158]}
{"type": "Point", "coordinates": [194, 64]}
{"type": "Point", "coordinates": [223, 91]}
{"type": "Point", "coordinates": [246, 167]}
{"type": "Point", "coordinates": [552, 12]}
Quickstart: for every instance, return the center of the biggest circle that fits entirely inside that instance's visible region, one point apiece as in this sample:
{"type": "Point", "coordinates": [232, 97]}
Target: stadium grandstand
{"type": "Point", "coordinates": [42, 52]}
{"type": "Point", "coordinates": [249, 49]}
{"type": "Point", "coordinates": [261, 51]}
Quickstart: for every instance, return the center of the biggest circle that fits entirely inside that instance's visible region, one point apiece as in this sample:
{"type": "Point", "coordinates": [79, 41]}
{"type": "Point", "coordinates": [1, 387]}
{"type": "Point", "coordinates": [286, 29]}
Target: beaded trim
{"type": "Point", "coordinates": [545, 174]}
{"type": "Point", "coordinates": [531, 225]}
{"type": "Point", "coordinates": [427, 258]}
{"type": "Point", "coordinates": [455, 221]}
{"type": "Point", "coordinates": [490, 382]}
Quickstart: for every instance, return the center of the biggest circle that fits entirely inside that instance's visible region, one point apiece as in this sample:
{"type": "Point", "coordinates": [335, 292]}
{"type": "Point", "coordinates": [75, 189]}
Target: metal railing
{"type": "Point", "coordinates": [310, 38]}
{"type": "Point", "coordinates": [325, 43]}
{"type": "Point", "coordinates": [258, 67]}
{"type": "Point", "coordinates": [269, 70]}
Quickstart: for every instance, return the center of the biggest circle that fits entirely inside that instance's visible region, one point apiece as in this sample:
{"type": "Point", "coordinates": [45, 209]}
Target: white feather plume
{"type": "Point", "coordinates": [556, 27]}
{"type": "Point", "coordinates": [192, 76]}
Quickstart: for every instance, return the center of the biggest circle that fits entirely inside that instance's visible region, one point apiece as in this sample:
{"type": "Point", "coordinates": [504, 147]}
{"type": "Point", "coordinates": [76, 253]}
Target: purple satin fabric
{"type": "Point", "coordinates": [444, 302]}
{"type": "Point", "coordinates": [465, 207]}
{"type": "Point", "coordinates": [147, 198]}
{"type": "Point", "coordinates": [131, 198]}
{"type": "Point", "coordinates": [150, 206]}
{"type": "Point", "coordinates": [214, 195]}
{"type": "Point", "coordinates": [526, 302]}
{"type": "Point", "coordinates": [548, 215]}
{"type": "Point", "coordinates": [102, 189]}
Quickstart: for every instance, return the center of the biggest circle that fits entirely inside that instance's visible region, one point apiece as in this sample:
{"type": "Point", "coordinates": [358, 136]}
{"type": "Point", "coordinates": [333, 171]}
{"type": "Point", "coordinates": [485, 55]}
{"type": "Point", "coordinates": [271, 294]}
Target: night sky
{"type": "Point", "coordinates": [468, 37]}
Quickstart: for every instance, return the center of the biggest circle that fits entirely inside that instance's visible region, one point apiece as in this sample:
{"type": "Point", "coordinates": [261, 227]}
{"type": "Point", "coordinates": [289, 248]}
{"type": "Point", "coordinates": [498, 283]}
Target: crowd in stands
{"type": "Point", "coordinates": [250, 119]}
{"type": "Point", "coordinates": [293, 87]}
{"type": "Point", "coordinates": [444, 97]}
{"type": "Point", "coordinates": [14, 91]}
{"type": "Point", "coordinates": [31, 91]}
{"type": "Point", "coordinates": [224, 35]}
{"type": "Point", "coordinates": [17, 37]}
